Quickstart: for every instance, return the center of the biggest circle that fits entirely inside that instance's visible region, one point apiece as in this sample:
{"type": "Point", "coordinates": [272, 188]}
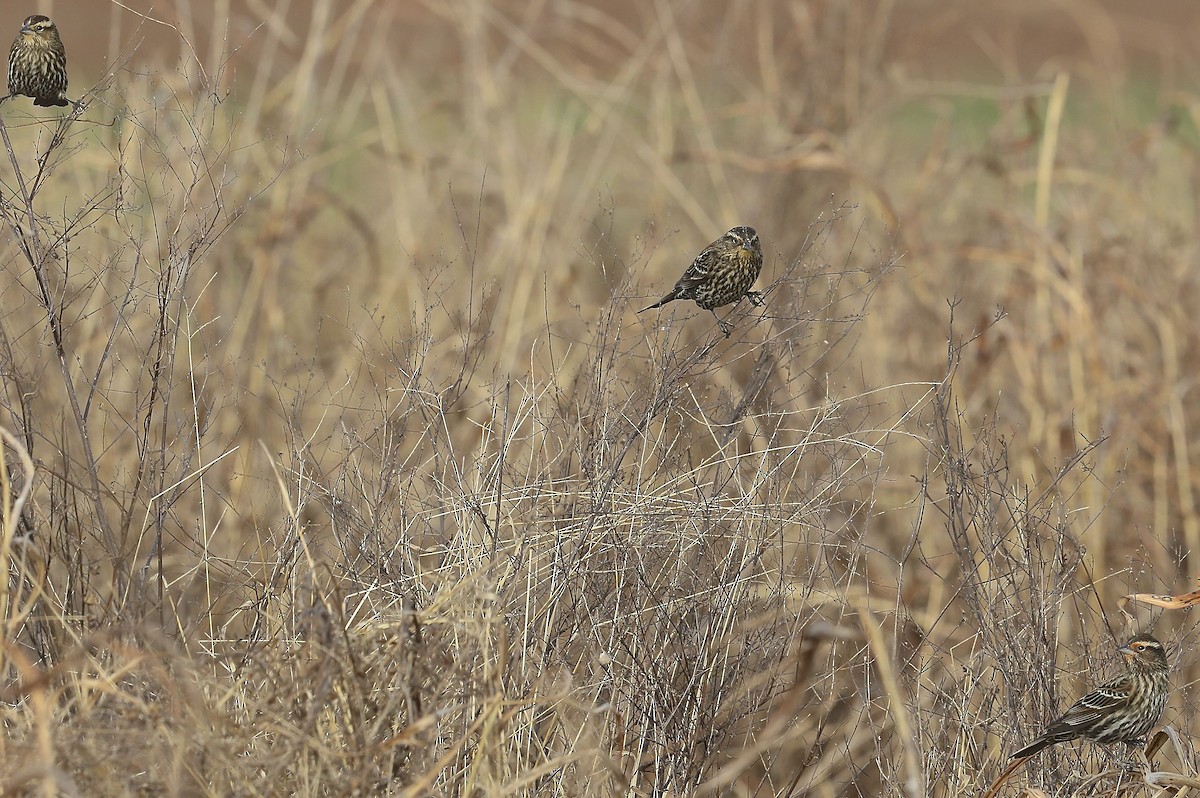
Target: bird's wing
{"type": "Point", "coordinates": [697, 273]}
{"type": "Point", "coordinates": [1092, 706]}
{"type": "Point", "coordinates": [703, 263]}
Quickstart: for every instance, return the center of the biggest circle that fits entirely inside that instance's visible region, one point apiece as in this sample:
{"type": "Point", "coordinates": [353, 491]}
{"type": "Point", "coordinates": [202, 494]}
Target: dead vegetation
{"type": "Point", "coordinates": [339, 464]}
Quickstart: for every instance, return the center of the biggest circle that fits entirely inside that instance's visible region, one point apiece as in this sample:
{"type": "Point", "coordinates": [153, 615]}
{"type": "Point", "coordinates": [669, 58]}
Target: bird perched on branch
{"type": "Point", "coordinates": [721, 274]}
{"type": "Point", "coordinates": [37, 63]}
{"type": "Point", "coordinates": [1121, 711]}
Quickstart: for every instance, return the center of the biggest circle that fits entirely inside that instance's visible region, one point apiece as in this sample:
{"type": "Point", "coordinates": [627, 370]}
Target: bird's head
{"type": "Point", "coordinates": [40, 27]}
{"type": "Point", "coordinates": [745, 239]}
{"type": "Point", "coordinates": [1144, 652]}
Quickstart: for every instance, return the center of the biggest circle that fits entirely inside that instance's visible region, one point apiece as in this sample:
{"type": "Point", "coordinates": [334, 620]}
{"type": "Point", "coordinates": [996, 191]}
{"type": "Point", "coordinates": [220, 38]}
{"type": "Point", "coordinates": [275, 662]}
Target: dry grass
{"type": "Point", "coordinates": [351, 470]}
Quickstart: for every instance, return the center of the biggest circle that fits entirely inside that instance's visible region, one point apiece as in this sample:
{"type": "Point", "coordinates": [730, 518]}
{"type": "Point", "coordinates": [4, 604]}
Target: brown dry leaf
{"type": "Point", "coordinates": [1180, 602]}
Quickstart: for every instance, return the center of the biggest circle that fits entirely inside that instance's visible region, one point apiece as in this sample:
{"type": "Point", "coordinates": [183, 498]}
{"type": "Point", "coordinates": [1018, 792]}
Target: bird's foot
{"type": "Point", "coordinates": [1135, 762]}
{"type": "Point", "coordinates": [756, 298]}
{"type": "Point", "coordinates": [726, 327]}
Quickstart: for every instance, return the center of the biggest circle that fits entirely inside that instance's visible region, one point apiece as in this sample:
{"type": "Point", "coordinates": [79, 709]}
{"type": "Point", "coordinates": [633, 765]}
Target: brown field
{"type": "Point", "coordinates": [339, 462]}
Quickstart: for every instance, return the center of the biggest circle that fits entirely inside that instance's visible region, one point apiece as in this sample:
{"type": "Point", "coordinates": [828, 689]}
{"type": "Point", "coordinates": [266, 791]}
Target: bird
{"type": "Point", "coordinates": [1120, 711]}
{"type": "Point", "coordinates": [721, 274]}
{"type": "Point", "coordinates": [37, 63]}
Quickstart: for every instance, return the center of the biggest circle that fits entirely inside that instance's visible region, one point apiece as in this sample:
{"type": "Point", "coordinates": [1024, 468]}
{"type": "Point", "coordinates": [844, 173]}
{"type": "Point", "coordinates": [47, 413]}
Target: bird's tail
{"type": "Point", "coordinates": [1032, 748]}
{"type": "Point", "coordinates": [668, 298]}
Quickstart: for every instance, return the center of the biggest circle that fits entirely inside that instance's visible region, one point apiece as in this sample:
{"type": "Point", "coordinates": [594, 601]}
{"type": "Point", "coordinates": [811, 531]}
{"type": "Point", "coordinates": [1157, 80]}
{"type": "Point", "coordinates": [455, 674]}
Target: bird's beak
{"type": "Point", "coordinates": [26, 29]}
{"type": "Point", "coordinates": [1126, 651]}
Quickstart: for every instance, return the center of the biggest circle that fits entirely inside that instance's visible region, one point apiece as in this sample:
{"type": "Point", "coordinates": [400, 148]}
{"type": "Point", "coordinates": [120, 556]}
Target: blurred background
{"type": "Point", "coordinates": [930, 38]}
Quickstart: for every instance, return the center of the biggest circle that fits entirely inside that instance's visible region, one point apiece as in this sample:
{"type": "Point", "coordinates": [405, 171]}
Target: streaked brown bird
{"type": "Point", "coordinates": [1120, 711]}
{"type": "Point", "coordinates": [721, 274]}
{"type": "Point", "coordinates": [37, 63]}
